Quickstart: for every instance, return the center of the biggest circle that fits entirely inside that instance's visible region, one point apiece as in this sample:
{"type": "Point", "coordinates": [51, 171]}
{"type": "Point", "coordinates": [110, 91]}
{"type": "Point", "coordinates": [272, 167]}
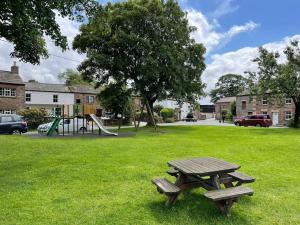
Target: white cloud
{"type": "Point", "coordinates": [49, 68]}
{"type": "Point", "coordinates": [224, 8]}
{"type": "Point", "coordinates": [239, 61]}
{"type": "Point", "coordinates": [207, 34]}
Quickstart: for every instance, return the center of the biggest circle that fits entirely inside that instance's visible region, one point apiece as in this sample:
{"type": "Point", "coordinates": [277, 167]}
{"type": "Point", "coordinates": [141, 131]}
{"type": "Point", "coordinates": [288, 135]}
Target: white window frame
{"type": "Point", "coordinates": [288, 115]}
{"type": "Point", "coordinates": [90, 97]}
{"type": "Point", "coordinates": [8, 111]}
{"type": "Point", "coordinates": [288, 101]}
{"type": "Point", "coordinates": [264, 101]}
{"type": "Point", "coordinates": [55, 98]}
{"type": "Point", "coordinates": [28, 97]}
{"type": "Point", "coordinates": [7, 92]}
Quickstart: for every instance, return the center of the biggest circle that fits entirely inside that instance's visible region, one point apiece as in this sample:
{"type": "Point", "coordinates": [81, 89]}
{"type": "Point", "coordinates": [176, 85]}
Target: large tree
{"type": "Point", "coordinates": [279, 80]}
{"type": "Point", "coordinates": [146, 44]}
{"type": "Point", "coordinates": [25, 24]}
{"type": "Point", "coordinates": [72, 77]}
{"type": "Point", "coordinates": [228, 85]}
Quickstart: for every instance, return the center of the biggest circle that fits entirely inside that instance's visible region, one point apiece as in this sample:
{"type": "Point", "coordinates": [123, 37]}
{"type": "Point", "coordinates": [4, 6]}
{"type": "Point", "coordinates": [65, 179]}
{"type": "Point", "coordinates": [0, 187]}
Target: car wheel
{"type": "Point", "coordinates": [238, 124]}
{"type": "Point", "coordinates": [258, 125]}
{"type": "Point", "coordinates": [15, 132]}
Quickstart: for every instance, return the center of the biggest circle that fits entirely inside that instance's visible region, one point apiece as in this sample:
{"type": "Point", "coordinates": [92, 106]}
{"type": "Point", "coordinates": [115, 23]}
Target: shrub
{"type": "Point", "coordinates": [34, 117]}
{"type": "Point", "coordinates": [167, 113]}
{"type": "Point", "coordinates": [170, 120]}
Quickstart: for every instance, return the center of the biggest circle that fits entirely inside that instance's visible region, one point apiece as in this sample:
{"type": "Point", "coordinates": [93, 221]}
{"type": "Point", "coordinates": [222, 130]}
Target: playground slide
{"type": "Point", "coordinates": [53, 127]}
{"type": "Point", "coordinates": [100, 125]}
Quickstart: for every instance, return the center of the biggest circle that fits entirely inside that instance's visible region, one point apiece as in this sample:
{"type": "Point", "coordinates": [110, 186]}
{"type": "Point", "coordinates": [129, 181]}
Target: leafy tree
{"type": "Point", "coordinates": [278, 80]}
{"type": "Point", "coordinates": [227, 86]}
{"type": "Point", "coordinates": [144, 43]}
{"type": "Point", "coordinates": [25, 23]}
{"type": "Point", "coordinates": [72, 77]}
{"type": "Point", "coordinates": [115, 98]}
{"type": "Point", "coordinates": [32, 81]}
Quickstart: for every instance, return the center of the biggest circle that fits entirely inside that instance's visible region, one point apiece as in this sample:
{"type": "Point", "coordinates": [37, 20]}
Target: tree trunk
{"type": "Point", "coordinates": [297, 114]}
{"type": "Point", "coordinates": [151, 120]}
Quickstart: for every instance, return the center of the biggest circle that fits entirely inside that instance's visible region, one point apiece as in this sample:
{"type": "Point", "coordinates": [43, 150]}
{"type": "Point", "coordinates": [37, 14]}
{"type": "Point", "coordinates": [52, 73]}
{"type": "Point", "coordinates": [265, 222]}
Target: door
{"type": "Point", "coordinates": [275, 118]}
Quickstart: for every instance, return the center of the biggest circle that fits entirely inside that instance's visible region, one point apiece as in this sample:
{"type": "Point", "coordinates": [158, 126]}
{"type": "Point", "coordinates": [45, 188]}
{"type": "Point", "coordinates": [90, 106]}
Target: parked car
{"type": "Point", "coordinates": [12, 124]}
{"type": "Point", "coordinates": [255, 120]}
{"type": "Point", "coordinates": [67, 125]}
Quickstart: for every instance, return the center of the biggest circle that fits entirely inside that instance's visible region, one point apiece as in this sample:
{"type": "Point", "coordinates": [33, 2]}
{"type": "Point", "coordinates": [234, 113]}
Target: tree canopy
{"type": "Point", "coordinates": [26, 23]}
{"type": "Point", "coordinates": [146, 44]}
{"type": "Point", "coordinates": [115, 98]}
{"type": "Point", "coordinates": [227, 86]}
{"type": "Point", "coordinates": [72, 77]}
{"type": "Point", "coordinates": [279, 80]}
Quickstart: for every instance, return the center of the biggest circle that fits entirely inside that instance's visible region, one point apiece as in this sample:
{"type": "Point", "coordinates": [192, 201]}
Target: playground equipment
{"type": "Point", "coordinates": [101, 126]}
{"type": "Point", "coordinates": [76, 119]}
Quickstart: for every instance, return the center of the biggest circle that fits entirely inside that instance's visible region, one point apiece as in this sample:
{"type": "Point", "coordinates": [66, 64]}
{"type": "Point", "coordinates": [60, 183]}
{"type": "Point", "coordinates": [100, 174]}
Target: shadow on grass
{"type": "Point", "coordinates": [194, 209]}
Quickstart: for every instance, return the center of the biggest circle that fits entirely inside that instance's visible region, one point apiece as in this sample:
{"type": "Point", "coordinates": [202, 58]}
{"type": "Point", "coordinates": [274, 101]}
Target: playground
{"type": "Point", "coordinates": [76, 120]}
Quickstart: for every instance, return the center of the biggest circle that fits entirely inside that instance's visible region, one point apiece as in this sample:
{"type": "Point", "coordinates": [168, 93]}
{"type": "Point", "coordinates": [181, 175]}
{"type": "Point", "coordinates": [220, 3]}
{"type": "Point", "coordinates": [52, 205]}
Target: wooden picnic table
{"type": "Point", "coordinates": [208, 173]}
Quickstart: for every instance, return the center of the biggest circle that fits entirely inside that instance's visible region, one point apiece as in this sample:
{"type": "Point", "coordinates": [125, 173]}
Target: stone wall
{"type": "Point", "coordinates": [256, 106]}
{"type": "Point", "coordinates": [219, 107]}
{"type": "Point", "coordinates": [13, 103]}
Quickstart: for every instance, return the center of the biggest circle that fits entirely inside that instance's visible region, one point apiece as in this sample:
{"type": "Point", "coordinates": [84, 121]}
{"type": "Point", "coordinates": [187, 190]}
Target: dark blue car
{"type": "Point", "coordinates": [12, 124]}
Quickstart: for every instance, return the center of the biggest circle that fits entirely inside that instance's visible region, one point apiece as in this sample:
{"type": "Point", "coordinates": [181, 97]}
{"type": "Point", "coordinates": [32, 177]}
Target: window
{"type": "Point", "coordinates": [244, 104]}
{"type": "Point", "coordinates": [288, 115]}
{"type": "Point", "coordinates": [28, 97]}
{"type": "Point", "coordinates": [7, 111]}
{"type": "Point", "coordinates": [8, 92]}
{"type": "Point", "coordinates": [90, 99]}
{"type": "Point", "coordinates": [55, 98]}
{"type": "Point", "coordinates": [250, 113]}
{"type": "Point", "coordinates": [78, 101]}
{"type": "Point", "coordinates": [265, 113]}
{"type": "Point", "coordinates": [288, 101]}
{"type": "Point", "coordinates": [265, 101]}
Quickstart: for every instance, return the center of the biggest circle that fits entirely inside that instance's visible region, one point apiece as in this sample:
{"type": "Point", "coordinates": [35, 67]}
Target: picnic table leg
{"type": "Point", "coordinates": [215, 181]}
{"type": "Point", "coordinates": [225, 206]}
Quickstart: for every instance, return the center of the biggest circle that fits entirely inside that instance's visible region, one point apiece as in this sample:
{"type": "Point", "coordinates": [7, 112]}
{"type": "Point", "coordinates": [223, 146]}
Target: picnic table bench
{"type": "Point", "coordinates": [210, 174]}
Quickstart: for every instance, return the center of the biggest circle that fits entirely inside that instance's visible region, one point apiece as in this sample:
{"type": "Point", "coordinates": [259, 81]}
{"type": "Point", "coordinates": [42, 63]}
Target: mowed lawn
{"type": "Point", "coordinates": [108, 181]}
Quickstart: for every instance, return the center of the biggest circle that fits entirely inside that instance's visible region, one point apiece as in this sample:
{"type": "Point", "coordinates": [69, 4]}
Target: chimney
{"type": "Point", "coordinates": [15, 68]}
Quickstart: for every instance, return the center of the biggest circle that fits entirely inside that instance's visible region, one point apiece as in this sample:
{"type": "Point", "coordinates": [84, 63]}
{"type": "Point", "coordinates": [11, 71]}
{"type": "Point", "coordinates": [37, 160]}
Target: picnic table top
{"type": "Point", "coordinates": [203, 166]}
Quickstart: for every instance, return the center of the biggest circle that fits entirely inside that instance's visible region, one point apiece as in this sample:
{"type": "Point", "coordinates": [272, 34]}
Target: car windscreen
{"type": "Point", "coordinates": [18, 118]}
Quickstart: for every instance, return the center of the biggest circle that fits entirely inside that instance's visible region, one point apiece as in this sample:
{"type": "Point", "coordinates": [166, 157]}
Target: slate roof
{"type": "Point", "coordinates": [10, 78]}
{"type": "Point", "coordinates": [83, 89]}
{"type": "Point", "coordinates": [42, 87]}
{"type": "Point", "coordinates": [227, 99]}
{"type": "Point", "coordinates": [62, 88]}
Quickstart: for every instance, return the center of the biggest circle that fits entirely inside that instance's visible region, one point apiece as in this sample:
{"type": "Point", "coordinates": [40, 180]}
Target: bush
{"type": "Point", "coordinates": [34, 117]}
{"type": "Point", "coordinates": [167, 113]}
{"type": "Point", "coordinates": [170, 120]}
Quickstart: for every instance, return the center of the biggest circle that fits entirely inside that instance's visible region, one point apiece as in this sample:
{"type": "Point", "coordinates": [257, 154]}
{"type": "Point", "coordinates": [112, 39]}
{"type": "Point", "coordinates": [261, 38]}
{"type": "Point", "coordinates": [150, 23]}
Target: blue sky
{"type": "Point", "coordinates": [231, 31]}
{"type": "Point", "coordinates": [276, 19]}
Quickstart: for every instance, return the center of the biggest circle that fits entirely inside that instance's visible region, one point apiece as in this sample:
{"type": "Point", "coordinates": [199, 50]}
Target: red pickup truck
{"type": "Point", "coordinates": [254, 120]}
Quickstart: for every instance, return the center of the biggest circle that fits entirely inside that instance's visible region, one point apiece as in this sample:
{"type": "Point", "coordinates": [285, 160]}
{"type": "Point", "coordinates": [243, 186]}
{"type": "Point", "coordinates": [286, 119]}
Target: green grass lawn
{"type": "Point", "coordinates": [108, 181]}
